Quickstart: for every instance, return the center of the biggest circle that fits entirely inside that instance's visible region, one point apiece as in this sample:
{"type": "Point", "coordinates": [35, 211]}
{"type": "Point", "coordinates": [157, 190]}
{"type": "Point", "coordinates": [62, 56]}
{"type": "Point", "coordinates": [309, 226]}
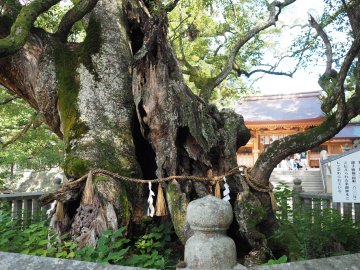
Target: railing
{"type": "Point", "coordinates": [24, 205]}
{"type": "Point", "coordinates": [311, 200]}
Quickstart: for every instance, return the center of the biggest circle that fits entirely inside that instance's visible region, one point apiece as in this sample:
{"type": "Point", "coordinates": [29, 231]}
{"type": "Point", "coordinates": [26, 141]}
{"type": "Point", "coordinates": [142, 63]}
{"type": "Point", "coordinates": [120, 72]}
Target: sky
{"type": "Point", "coordinates": [303, 80]}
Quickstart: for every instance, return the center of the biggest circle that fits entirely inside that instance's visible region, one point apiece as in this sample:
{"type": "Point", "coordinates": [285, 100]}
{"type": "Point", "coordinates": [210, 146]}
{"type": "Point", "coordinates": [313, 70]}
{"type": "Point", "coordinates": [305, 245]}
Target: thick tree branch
{"type": "Point", "coordinates": [72, 16]}
{"type": "Point", "coordinates": [353, 12]}
{"type": "Point", "coordinates": [274, 10]}
{"type": "Point", "coordinates": [324, 37]}
{"type": "Point", "coordinates": [349, 58]}
{"type": "Point", "coordinates": [300, 142]}
{"type": "Point", "coordinates": [22, 74]}
{"type": "Point", "coordinates": [7, 100]}
{"type": "Point", "coordinates": [333, 84]}
{"type": "Point", "coordinates": [326, 81]}
{"type": "Point", "coordinates": [20, 29]}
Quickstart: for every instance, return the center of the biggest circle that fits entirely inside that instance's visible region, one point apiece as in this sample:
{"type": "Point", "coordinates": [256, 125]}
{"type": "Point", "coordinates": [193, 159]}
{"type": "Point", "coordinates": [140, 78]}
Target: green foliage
{"type": "Point", "coordinates": [282, 259]}
{"type": "Point", "coordinates": [313, 233]}
{"type": "Point", "coordinates": [204, 32]}
{"type": "Point", "coordinates": [38, 148]}
{"type": "Point", "coordinates": [49, 21]}
{"type": "Point", "coordinates": [17, 237]}
{"type": "Point", "coordinates": [111, 248]}
{"type": "Point", "coordinates": [151, 250]}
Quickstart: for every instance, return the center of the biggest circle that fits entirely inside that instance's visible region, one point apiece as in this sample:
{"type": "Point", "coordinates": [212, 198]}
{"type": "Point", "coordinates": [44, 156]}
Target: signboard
{"type": "Point", "coordinates": [345, 172]}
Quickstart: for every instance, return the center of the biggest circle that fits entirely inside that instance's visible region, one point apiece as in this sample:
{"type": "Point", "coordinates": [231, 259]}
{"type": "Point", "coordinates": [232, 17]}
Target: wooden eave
{"type": "Point", "coordinates": [286, 124]}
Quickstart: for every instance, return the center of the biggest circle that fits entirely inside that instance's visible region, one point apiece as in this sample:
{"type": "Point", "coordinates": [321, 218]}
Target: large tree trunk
{"type": "Point", "coordinates": [120, 103]}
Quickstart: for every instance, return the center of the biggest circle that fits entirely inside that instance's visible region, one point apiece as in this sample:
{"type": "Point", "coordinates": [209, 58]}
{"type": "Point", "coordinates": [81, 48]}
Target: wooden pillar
{"type": "Point", "coordinates": [357, 211]}
{"type": "Point", "coordinates": [308, 158]}
{"type": "Point", "coordinates": [328, 147]}
{"type": "Point", "coordinates": [35, 207]}
{"type": "Point", "coordinates": [347, 210]}
{"type": "Point", "coordinates": [17, 211]}
{"type": "Point", "coordinates": [27, 211]}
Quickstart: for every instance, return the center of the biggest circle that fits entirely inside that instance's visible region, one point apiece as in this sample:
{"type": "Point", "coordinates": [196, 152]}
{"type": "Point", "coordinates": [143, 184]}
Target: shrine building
{"type": "Point", "coordinates": [271, 117]}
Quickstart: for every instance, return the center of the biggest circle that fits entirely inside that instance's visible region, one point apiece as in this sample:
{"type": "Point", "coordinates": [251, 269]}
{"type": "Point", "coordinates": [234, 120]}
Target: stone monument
{"type": "Point", "coordinates": [209, 247]}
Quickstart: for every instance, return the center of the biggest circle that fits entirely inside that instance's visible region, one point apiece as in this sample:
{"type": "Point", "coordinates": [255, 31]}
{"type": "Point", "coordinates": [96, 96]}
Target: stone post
{"type": "Point", "coordinates": [209, 247]}
{"type": "Point", "coordinates": [297, 185]}
{"type": "Point", "coordinates": [296, 196]}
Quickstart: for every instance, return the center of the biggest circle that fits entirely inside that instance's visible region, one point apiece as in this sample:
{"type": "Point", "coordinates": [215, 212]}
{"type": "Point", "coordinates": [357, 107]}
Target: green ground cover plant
{"type": "Point", "coordinates": [313, 233]}
{"type": "Point", "coordinates": [150, 250]}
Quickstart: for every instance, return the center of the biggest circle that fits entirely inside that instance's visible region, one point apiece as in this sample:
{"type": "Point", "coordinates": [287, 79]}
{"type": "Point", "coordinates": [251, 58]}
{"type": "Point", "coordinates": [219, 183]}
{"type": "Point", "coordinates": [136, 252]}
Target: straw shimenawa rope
{"type": "Point", "coordinates": [259, 186]}
{"type": "Point", "coordinates": [246, 171]}
{"type": "Point", "coordinates": [158, 180]}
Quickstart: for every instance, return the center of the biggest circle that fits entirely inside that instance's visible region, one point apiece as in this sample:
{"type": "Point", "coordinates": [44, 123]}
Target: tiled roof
{"type": "Point", "coordinates": [350, 131]}
{"type": "Point", "coordinates": [280, 107]}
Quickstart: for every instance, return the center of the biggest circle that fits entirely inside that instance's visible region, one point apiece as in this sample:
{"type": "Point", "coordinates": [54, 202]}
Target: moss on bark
{"type": "Point", "coordinates": [21, 27]}
{"type": "Point", "coordinates": [178, 203]}
{"type": "Point", "coordinates": [67, 61]}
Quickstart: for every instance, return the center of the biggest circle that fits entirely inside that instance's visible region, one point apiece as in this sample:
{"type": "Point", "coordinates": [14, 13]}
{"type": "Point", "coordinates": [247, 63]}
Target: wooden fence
{"type": "Point", "coordinates": [318, 201]}
{"type": "Point", "coordinates": [27, 203]}
{"type": "Point", "coordinates": [24, 205]}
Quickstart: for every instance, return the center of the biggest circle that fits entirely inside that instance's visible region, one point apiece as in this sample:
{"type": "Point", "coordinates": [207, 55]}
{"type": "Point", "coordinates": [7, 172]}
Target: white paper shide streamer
{"type": "Point", "coordinates": [151, 208]}
{"type": "Point", "coordinates": [226, 192]}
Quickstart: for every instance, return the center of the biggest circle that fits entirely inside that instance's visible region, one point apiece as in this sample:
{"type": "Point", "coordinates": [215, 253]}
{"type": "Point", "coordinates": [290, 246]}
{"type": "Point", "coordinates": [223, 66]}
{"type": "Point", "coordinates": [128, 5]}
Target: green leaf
{"type": "Point", "coordinates": [119, 232]}
{"type": "Point", "coordinates": [44, 242]}
{"type": "Point", "coordinates": [107, 233]}
{"type": "Point", "coordinates": [282, 259]}
{"type": "Point", "coordinates": [62, 254]}
{"type": "Point", "coordinates": [71, 255]}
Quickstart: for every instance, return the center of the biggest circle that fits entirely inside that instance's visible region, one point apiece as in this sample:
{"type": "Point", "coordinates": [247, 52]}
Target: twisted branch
{"type": "Point", "coordinates": [72, 16]}
{"type": "Point", "coordinates": [274, 10]}
{"type": "Point", "coordinates": [325, 38]}
{"type": "Point", "coordinates": [21, 27]}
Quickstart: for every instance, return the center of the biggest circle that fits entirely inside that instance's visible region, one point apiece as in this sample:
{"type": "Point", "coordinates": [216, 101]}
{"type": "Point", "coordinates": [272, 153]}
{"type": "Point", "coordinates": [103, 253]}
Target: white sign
{"type": "Point", "coordinates": [345, 173]}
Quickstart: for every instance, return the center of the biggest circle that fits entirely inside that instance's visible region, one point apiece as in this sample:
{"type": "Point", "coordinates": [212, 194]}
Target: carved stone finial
{"type": "Point", "coordinates": [209, 247]}
{"type": "Point", "coordinates": [297, 185]}
{"type": "Point", "coordinates": [297, 181]}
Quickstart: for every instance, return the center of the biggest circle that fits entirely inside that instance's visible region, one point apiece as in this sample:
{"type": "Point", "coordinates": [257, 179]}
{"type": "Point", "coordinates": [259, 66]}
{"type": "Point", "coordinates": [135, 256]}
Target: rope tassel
{"type": "Point", "coordinates": [151, 209]}
{"type": "Point", "coordinates": [160, 203]}
{"type": "Point", "coordinates": [88, 194]}
{"type": "Point", "coordinates": [60, 211]}
{"type": "Point", "coordinates": [217, 190]}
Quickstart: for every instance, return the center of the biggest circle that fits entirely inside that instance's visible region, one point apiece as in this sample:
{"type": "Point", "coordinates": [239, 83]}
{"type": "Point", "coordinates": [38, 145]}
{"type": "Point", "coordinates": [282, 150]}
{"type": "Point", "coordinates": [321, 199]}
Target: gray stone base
{"type": "Point", "coordinates": [15, 261]}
